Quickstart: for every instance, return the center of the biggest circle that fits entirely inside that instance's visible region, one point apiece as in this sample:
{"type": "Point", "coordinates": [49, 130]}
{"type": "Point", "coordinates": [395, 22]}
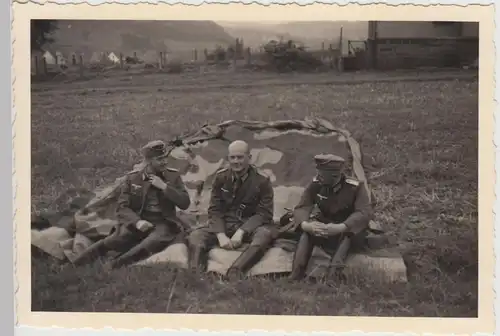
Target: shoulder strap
{"type": "Point", "coordinates": [352, 181]}
{"type": "Point", "coordinates": [222, 170]}
{"type": "Point", "coordinates": [133, 171]}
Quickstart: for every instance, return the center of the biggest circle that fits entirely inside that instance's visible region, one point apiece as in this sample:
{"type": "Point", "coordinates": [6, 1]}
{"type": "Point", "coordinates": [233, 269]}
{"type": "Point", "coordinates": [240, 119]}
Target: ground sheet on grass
{"type": "Point", "coordinates": [283, 150]}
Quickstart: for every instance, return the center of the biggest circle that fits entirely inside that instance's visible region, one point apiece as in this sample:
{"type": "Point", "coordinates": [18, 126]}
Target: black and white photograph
{"type": "Point", "coordinates": [307, 168]}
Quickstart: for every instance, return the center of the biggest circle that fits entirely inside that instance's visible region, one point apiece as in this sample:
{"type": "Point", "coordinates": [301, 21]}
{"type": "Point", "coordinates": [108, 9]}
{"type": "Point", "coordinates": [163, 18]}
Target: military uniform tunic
{"type": "Point", "coordinates": [248, 207]}
{"type": "Point", "coordinates": [347, 203]}
{"type": "Point", "coordinates": [139, 199]}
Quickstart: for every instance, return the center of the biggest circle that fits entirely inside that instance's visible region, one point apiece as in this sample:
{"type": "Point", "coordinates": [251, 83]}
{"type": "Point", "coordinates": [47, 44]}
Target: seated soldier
{"type": "Point", "coordinates": [146, 211]}
{"type": "Point", "coordinates": [344, 210]}
{"type": "Point", "coordinates": [241, 207]}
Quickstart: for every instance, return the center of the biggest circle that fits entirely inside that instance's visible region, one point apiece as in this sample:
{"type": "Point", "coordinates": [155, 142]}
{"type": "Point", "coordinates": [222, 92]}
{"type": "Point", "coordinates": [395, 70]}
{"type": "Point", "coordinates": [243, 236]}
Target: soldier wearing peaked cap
{"type": "Point", "coordinates": [343, 209]}
{"type": "Point", "coordinates": [146, 210]}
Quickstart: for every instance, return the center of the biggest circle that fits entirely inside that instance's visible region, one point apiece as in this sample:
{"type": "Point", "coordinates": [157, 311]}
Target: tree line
{"type": "Point", "coordinates": [40, 33]}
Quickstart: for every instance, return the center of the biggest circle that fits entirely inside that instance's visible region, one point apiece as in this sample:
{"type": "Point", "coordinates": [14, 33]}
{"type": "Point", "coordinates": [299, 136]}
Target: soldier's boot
{"type": "Point", "coordinates": [132, 256]}
{"type": "Point", "coordinates": [93, 252]}
{"type": "Point", "coordinates": [198, 258]}
{"type": "Point", "coordinates": [301, 257]}
{"type": "Point", "coordinates": [245, 262]}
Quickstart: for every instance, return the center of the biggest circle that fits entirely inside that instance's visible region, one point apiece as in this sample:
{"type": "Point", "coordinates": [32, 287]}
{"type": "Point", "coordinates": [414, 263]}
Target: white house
{"type": "Point", "coordinates": [49, 58]}
{"type": "Point", "coordinates": [113, 58]}
{"type": "Point", "coordinates": [61, 60]}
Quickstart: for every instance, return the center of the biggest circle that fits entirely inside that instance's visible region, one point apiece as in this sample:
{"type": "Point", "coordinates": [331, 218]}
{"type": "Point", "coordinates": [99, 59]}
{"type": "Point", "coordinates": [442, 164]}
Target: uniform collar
{"type": "Point", "coordinates": [147, 172]}
{"type": "Point", "coordinates": [336, 187]}
{"type": "Point", "coordinates": [243, 177]}
{"type": "Point", "coordinates": [339, 185]}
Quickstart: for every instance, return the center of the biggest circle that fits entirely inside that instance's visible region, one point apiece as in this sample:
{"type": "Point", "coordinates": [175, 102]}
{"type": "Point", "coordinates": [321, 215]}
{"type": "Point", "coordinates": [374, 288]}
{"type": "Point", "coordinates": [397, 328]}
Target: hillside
{"type": "Point", "coordinates": [88, 36]}
{"type": "Point", "coordinates": [256, 35]}
{"type": "Point", "coordinates": [311, 33]}
{"type": "Point", "coordinates": [326, 29]}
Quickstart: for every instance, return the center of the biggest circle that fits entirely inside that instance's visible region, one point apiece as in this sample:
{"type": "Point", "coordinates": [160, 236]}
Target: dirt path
{"type": "Point", "coordinates": [203, 83]}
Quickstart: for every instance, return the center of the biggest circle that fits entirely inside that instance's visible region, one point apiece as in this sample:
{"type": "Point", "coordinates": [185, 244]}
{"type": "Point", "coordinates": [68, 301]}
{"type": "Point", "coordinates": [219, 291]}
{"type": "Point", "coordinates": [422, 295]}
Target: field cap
{"type": "Point", "coordinates": [329, 162]}
{"type": "Point", "coordinates": [154, 149]}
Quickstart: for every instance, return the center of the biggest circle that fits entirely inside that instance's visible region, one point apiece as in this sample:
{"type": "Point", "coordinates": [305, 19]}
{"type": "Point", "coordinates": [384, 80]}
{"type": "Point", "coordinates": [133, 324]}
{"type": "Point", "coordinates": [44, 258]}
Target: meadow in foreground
{"type": "Point", "coordinates": [420, 145]}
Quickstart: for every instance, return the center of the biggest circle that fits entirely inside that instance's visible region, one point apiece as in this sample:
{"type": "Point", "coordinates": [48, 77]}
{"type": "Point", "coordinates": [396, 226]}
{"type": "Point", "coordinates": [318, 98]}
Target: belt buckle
{"type": "Point", "coordinates": [239, 213]}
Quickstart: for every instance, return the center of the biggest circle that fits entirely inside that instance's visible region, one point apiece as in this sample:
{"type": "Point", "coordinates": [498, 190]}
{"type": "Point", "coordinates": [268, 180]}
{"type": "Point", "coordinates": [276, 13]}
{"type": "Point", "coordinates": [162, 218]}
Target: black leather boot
{"type": "Point", "coordinates": [245, 261]}
{"type": "Point", "coordinates": [198, 258]}
{"type": "Point", "coordinates": [93, 252]}
{"type": "Point", "coordinates": [301, 257]}
{"type": "Point", "coordinates": [130, 257]}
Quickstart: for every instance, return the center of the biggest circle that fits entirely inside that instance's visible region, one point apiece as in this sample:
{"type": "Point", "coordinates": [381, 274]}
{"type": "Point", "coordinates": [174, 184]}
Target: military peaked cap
{"type": "Point", "coordinates": [329, 162]}
{"type": "Point", "coordinates": [154, 149]}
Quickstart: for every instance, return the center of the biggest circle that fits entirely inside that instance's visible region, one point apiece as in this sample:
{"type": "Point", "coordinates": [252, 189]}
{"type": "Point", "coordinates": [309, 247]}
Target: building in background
{"type": "Point", "coordinates": [413, 44]}
{"type": "Point", "coordinates": [49, 57]}
{"type": "Point", "coordinates": [114, 58]}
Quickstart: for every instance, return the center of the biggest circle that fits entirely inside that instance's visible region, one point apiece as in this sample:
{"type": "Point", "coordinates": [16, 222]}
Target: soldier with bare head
{"type": "Point", "coordinates": [240, 211]}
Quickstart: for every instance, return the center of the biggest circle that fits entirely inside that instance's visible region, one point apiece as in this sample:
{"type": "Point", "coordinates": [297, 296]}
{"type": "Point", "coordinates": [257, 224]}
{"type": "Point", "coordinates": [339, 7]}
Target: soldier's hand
{"type": "Point", "coordinates": [313, 227]}
{"type": "Point", "coordinates": [335, 229]}
{"type": "Point", "coordinates": [307, 226]}
{"type": "Point", "coordinates": [157, 182]}
{"type": "Point", "coordinates": [224, 241]}
{"type": "Point", "coordinates": [237, 238]}
{"type": "Point", "coordinates": [318, 229]}
{"type": "Point", "coordinates": [143, 225]}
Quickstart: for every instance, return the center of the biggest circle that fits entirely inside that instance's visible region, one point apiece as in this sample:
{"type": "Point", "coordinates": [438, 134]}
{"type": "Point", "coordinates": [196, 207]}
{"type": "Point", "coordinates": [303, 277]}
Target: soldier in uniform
{"type": "Point", "coordinates": [146, 210]}
{"type": "Point", "coordinates": [343, 210]}
{"type": "Point", "coordinates": [241, 210]}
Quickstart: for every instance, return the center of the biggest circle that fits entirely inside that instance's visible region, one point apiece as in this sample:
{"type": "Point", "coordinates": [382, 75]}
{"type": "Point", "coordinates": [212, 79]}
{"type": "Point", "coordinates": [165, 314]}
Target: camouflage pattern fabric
{"type": "Point", "coordinates": [283, 150]}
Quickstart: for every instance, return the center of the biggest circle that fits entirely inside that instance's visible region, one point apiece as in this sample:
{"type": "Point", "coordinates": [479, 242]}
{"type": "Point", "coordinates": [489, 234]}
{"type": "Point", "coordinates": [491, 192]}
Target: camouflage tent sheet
{"type": "Point", "coordinates": [283, 150]}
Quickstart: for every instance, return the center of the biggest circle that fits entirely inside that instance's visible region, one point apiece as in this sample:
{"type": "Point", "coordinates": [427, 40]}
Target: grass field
{"type": "Point", "coordinates": [420, 143]}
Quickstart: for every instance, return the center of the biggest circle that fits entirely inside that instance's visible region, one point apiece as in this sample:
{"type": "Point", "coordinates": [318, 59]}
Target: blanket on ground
{"type": "Point", "coordinates": [283, 150]}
